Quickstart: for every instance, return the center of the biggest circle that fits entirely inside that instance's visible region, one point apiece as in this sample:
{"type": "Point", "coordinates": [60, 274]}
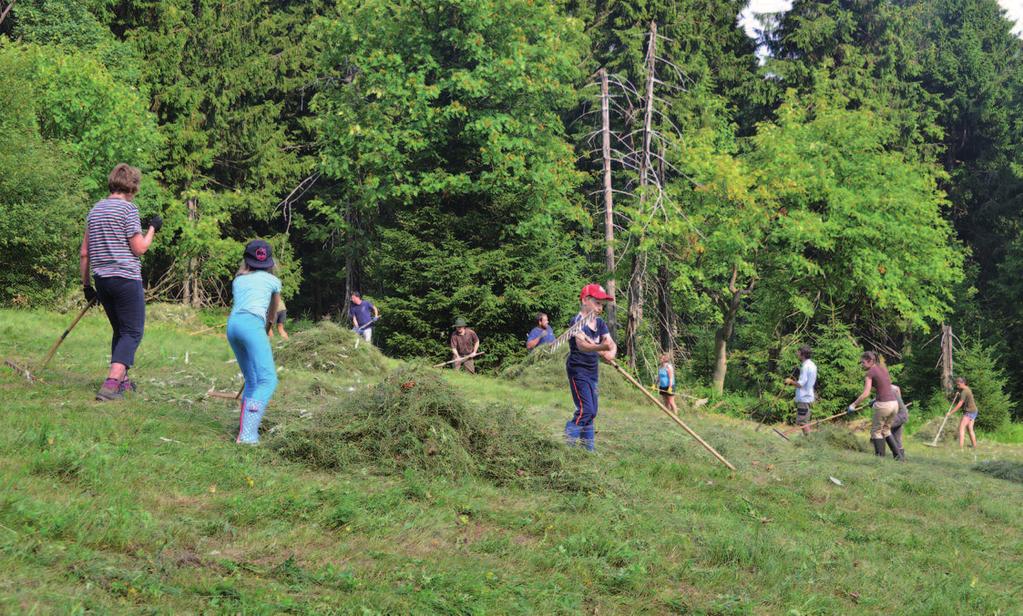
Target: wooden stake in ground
{"type": "Point", "coordinates": [668, 412]}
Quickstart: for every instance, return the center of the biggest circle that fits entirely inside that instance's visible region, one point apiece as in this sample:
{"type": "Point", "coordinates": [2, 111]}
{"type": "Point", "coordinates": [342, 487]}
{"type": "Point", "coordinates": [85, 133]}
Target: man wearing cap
{"type": "Point", "coordinates": [590, 342]}
{"type": "Point", "coordinates": [464, 343]}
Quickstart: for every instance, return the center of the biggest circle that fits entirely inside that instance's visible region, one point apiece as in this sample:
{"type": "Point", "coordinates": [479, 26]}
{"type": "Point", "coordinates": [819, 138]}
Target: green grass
{"type": "Point", "coordinates": [148, 506]}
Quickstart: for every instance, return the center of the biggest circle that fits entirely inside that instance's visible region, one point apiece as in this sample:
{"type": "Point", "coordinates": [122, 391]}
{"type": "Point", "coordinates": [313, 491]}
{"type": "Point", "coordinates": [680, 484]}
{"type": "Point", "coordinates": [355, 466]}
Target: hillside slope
{"type": "Point", "coordinates": [149, 506]}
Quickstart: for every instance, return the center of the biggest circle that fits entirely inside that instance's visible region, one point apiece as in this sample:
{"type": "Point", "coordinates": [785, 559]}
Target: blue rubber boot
{"type": "Point", "coordinates": [252, 415]}
{"type": "Point", "coordinates": [587, 438]}
{"type": "Point", "coordinates": [572, 433]}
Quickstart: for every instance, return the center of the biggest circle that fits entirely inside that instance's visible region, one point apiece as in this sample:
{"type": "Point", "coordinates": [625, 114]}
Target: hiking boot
{"type": "Point", "coordinates": [110, 391]}
{"type": "Point", "coordinates": [127, 385]}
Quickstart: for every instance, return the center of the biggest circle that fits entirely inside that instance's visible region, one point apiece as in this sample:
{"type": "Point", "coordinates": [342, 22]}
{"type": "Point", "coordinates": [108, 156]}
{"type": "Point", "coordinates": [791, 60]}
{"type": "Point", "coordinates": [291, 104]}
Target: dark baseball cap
{"type": "Point", "coordinates": [259, 255]}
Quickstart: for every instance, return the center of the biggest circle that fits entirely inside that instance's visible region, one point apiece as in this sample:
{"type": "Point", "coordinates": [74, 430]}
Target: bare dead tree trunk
{"type": "Point", "coordinates": [666, 315]}
{"type": "Point", "coordinates": [640, 260]}
{"type": "Point", "coordinates": [191, 295]}
{"type": "Point", "coordinates": [946, 359]}
{"type": "Point", "coordinates": [353, 261]}
{"type": "Point", "coordinates": [609, 229]}
{"type": "Point", "coordinates": [7, 10]}
{"type": "Point", "coordinates": [729, 311]}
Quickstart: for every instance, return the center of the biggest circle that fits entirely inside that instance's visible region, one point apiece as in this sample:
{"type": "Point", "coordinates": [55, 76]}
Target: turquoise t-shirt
{"type": "Point", "coordinates": [252, 293]}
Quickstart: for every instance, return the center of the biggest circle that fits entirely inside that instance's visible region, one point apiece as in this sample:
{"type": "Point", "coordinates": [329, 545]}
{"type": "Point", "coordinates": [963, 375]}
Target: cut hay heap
{"type": "Point", "coordinates": [416, 420]}
{"type": "Point", "coordinates": [543, 370]}
{"type": "Point", "coordinates": [929, 429]}
{"type": "Point", "coordinates": [331, 348]}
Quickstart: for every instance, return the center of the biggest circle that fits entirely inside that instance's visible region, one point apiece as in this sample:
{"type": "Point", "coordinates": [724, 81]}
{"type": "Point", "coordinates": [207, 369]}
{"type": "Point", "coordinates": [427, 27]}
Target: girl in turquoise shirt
{"type": "Point", "coordinates": [257, 295]}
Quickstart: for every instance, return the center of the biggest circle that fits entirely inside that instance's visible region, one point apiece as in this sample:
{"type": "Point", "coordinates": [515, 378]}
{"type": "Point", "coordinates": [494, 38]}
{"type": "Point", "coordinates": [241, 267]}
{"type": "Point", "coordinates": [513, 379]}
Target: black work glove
{"type": "Point", "coordinates": [90, 293]}
{"type": "Point", "coordinates": [155, 221]}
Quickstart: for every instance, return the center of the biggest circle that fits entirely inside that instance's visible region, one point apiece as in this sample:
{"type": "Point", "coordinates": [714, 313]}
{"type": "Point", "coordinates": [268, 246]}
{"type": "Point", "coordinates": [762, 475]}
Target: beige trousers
{"type": "Point", "coordinates": [884, 415]}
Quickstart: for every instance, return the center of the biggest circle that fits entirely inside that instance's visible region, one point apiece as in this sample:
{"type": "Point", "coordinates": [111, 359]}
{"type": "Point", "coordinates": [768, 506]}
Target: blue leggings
{"type": "Point", "coordinates": [247, 335]}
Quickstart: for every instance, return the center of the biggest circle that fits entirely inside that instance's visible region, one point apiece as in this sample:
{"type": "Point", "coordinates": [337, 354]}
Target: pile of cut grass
{"type": "Point", "coordinates": [546, 371]}
{"type": "Point", "coordinates": [1002, 469]}
{"type": "Point", "coordinates": [415, 420]}
{"type": "Point", "coordinates": [930, 428]}
{"type": "Point", "coordinates": [838, 436]}
{"type": "Point", "coordinates": [330, 348]}
{"type": "Point", "coordinates": [176, 314]}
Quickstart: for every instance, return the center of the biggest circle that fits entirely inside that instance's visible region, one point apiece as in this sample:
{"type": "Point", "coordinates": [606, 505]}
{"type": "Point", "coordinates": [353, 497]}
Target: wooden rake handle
{"type": "Point", "coordinates": [671, 415]}
{"type": "Point", "coordinates": [53, 349]}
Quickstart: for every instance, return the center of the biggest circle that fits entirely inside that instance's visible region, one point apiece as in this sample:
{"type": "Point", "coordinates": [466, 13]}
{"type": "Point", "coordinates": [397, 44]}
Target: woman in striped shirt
{"type": "Point", "coordinates": [111, 248]}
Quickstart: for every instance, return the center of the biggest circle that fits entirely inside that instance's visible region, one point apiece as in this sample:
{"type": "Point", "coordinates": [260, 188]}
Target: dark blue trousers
{"type": "Point", "coordinates": [124, 301]}
{"type": "Point", "coordinates": [584, 395]}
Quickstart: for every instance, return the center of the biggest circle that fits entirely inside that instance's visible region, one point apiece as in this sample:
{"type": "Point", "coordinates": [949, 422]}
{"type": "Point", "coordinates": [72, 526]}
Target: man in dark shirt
{"type": "Point", "coordinates": [363, 314]}
{"type": "Point", "coordinates": [464, 344]}
{"type": "Point", "coordinates": [543, 333]}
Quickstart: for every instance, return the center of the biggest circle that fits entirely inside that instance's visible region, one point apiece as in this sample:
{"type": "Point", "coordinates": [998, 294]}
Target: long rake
{"type": "Point", "coordinates": [26, 372]}
{"type": "Point", "coordinates": [937, 436]}
{"type": "Point", "coordinates": [671, 415]}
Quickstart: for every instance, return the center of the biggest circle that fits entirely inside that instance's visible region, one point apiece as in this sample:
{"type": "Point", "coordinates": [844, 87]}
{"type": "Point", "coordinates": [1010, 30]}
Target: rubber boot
{"type": "Point", "coordinates": [893, 446]}
{"type": "Point", "coordinates": [572, 433]}
{"type": "Point", "coordinates": [252, 415]}
{"type": "Point", "coordinates": [878, 446]}
{"type": "Point", "coordinates": [587, 438]}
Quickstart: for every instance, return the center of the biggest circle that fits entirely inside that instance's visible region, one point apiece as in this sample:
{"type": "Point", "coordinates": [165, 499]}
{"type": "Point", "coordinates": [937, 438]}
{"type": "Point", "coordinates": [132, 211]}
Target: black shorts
{"type": "Point", "coordinates": [802, 413]}
{"type": "Point", "coordinates": [666, 391]}
{"type": "Point", "coordinates": [281, 316]}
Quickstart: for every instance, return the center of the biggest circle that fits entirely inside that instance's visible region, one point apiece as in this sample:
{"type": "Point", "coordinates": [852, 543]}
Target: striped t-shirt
{"type": "Point", "coordinates": [110, 224]}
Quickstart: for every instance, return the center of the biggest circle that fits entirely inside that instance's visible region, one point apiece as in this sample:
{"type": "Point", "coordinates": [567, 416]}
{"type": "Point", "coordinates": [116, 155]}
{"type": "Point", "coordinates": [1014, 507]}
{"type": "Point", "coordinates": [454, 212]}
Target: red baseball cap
{"type": "Point", "coordinates": [596, 292]}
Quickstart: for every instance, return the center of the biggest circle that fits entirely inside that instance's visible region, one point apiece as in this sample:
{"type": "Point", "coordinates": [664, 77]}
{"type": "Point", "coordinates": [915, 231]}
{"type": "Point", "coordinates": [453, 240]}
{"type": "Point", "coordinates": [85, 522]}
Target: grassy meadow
{"type": "Point", "coordinates": [148, 506]}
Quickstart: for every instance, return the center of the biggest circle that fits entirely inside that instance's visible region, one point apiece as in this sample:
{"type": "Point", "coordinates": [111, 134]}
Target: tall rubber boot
{"type": "Point", "coordinates": [894, 447]}
{"type": "Point", "coordinates": [587, 438]}
{"type": "Point", "coordinates": [878, 446]}
{"type": "Point", "coordinates": [252, 415]}
{"type": "Point", "coordinates": [572, 433]}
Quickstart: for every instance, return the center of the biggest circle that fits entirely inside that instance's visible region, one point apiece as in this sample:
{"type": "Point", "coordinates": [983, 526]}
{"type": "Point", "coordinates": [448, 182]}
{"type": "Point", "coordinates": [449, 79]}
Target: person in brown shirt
{"type": "Point", "coordinates": [886, 405]}
{"type": "Point", "coordinates": [969, 406]}
{"type": "Point", "coordinates": [464, 344]}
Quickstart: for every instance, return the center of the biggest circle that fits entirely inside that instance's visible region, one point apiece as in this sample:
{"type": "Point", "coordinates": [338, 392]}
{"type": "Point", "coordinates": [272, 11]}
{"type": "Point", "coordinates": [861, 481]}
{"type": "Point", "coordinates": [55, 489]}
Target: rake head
{"type": "Point", "coordinates": [20, 369]}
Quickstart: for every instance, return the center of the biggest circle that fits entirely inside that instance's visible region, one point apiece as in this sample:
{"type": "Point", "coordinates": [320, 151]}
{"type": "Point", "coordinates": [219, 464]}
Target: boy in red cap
{"type": "Point", "coordinates": [590, 342]}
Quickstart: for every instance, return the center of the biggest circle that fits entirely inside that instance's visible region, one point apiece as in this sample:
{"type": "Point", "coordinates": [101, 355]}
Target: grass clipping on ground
{"type": "Point", "coordinates": [929, 429]}
{"type": "Point", "coordinates": [542, 370]}
{"type": "Point", "coordinates": [1002, 469]}
{"type": "Point", "coordinates": [415, 419]}
{"type": "Point", "coordinates": [331, 348]}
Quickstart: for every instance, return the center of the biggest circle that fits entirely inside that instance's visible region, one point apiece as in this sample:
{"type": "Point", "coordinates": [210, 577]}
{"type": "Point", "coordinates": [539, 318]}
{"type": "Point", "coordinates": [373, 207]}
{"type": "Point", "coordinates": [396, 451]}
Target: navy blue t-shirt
{"type": "Point", "coordinates": [363, 313]}
{"type": "Point", "coordinates": [546, 336]}
{"type": "Point", "coordinates": [581, 361]}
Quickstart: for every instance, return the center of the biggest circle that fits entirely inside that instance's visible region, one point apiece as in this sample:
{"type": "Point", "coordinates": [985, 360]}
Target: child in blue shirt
{"type": "Point", "coordinates": [257, 295]}
{"type": "Point", "coordinates": [666, 382]}
{"type": "Point", "coordinates": [587, 346]}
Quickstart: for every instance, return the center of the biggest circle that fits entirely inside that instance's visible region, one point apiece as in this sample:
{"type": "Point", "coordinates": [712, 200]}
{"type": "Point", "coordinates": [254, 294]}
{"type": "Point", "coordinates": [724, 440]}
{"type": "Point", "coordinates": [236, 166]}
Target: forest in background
{"type": "Point", "coordinates": [857, 189]}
